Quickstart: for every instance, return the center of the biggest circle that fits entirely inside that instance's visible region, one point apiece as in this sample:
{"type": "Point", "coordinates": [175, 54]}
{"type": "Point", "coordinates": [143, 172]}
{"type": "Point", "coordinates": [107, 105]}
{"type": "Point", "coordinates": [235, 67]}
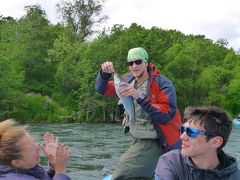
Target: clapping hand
{"type": "Point", "coordinates": [61, 160]}
{"type": "Point", "coordinates": [50, 148]}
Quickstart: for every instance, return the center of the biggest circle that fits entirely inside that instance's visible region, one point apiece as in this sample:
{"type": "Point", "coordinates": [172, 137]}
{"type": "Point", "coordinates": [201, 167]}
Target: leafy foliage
{"type": "Point", "coordinates": [82, 16]}
{"type": "Point", "coordinates": [48, 74]}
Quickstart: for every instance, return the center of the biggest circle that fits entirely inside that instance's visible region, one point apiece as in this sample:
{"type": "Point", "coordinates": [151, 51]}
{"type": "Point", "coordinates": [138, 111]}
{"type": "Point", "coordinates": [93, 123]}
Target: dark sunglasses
{"type": "Point", "coordinates": [193, 132]}
{"type": "Point", "coordinates": [137, 62]}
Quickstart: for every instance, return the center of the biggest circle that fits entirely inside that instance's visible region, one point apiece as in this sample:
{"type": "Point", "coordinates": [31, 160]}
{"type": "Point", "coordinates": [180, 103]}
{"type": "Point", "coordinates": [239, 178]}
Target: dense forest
{"type": "Point", "coordinates": [48, 71]}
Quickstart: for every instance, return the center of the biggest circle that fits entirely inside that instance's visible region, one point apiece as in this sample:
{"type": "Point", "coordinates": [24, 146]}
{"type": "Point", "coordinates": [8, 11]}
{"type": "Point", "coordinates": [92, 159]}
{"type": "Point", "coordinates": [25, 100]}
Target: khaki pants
{"type": "Point", "coordinates": [139, 161]}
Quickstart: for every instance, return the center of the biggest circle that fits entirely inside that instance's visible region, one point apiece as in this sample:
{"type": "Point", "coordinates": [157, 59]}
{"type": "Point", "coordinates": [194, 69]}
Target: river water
{"type": "Point", "coordinates": [96, 148]}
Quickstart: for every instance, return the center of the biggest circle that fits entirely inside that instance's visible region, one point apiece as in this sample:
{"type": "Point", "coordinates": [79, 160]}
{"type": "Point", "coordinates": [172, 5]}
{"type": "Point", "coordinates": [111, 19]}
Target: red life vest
{"type": "Point", "coordinates": [170, 134]}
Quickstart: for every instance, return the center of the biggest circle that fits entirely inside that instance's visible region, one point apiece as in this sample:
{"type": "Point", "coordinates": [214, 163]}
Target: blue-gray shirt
{"type": "Point", "coordinates": [174, 166]}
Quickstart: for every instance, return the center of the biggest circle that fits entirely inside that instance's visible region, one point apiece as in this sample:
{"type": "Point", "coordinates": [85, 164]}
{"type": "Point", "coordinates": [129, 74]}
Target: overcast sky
{"type": "Point", "coordinates": [213, 18]}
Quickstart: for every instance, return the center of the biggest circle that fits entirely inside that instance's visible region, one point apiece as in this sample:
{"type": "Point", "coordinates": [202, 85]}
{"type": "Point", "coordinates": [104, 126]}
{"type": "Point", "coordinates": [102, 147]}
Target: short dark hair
{"type": "Point", "coordinates": [212, 118]}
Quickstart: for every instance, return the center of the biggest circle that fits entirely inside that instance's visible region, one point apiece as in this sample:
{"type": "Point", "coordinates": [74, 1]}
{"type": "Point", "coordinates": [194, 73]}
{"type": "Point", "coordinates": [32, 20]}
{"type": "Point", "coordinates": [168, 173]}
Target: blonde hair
{"type": "Point", "coordinates": [10, 134]}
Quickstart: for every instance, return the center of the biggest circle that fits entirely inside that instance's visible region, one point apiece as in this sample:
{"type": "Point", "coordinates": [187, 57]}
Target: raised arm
{"type": "Point", "coordinates": [104, 85]}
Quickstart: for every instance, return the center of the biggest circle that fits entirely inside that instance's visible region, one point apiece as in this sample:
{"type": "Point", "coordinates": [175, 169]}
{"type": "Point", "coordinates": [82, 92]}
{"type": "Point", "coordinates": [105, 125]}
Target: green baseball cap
{"type": "Point", "coordinates": [137, 53]}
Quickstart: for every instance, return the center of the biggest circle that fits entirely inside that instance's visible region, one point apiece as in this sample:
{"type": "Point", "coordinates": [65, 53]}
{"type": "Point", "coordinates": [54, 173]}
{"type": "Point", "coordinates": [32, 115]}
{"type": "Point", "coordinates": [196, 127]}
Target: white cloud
{"type": "Point", "coordinates": [213, 18]}
{"type": "Point", "coordinates": [15, 8]}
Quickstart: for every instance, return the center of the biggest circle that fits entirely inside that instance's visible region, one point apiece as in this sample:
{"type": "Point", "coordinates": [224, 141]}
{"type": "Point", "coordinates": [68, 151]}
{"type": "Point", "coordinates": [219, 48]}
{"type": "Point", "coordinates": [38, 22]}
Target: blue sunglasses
{"type": "Point", "coordinates": [193, 132]}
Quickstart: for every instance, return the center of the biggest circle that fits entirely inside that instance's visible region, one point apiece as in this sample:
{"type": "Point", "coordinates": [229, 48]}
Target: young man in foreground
{"type": "Point", "coordinates": [204, 134]}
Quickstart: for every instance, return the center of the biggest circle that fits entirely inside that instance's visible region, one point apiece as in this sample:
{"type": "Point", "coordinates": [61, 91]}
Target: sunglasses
{"type": "Point", "coordinates": [193, 132]}
{"type": "Point", "coordinates": [137, 62]}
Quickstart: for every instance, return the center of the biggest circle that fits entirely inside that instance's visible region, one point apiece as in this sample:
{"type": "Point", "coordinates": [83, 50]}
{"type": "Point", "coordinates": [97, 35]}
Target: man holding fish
{"type": "Point", "coordinates": [151, 114]}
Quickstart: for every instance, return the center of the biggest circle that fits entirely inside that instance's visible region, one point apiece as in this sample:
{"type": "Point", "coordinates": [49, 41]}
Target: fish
{"type": "Point", "coordinates": [126, 101]}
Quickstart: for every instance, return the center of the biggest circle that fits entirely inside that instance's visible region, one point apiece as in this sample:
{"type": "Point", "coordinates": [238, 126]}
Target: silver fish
{"type": "Point", "coordinates": [126, 101]}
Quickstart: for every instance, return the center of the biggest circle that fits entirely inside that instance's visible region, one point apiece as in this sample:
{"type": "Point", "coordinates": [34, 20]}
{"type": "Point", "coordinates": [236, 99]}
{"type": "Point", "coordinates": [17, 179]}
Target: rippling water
{"type": "Point", "coordinates": [96, 148]}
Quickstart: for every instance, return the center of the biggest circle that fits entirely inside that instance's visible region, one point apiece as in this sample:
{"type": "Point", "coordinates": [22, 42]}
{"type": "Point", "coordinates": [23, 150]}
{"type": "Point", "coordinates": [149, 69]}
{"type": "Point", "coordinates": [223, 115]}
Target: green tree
{"type": "Point", "coordinates": [35, 36]}
{"type": "Point", "coordinates": [46, 72]}
{"type": "Point", "coordinates": [11, 73]}
{"type": "Point", "coordinates": [231, 101]}
{"type": "Point", "coordinates": [83, 16]}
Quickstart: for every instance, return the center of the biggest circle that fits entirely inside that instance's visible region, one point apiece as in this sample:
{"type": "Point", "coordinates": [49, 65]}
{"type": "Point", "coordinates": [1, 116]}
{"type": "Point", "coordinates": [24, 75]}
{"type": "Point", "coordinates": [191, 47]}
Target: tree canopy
{"type": "Point", "coordinates": [48, 75]}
